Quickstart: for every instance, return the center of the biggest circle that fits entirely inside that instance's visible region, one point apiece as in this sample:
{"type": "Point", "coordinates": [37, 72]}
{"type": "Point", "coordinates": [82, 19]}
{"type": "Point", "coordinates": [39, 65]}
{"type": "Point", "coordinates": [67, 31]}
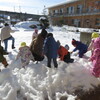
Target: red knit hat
{"type": "Point", "coordinates": [36, 30]}
{"type": "Point", "coordinates": [73, 42]}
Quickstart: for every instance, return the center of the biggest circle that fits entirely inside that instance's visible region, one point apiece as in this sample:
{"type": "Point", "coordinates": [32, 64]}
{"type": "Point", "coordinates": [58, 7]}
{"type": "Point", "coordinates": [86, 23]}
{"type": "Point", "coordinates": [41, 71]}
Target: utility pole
{"type": "Point", "coordinates": [19, 8]}
{"type": "Point", "coordinates": [84, 11]}
{"type": "Point", "coordinates": [44, 10]}
{"type": "Point", "coordinates": [14, 8]}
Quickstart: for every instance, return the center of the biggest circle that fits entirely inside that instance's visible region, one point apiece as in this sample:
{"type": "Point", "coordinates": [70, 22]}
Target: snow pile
{"type": "Point", "coordinates": [76, 29]}
{"type": "Point", "coordinates": [37, 81]}
{"type": "Point", "coordinates": [26, 25]}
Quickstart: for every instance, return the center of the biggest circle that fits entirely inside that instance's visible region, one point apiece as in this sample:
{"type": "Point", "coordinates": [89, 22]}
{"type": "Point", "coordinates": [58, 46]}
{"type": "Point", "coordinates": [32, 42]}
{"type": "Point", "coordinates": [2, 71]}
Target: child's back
{"type": "Point", "coordinates": [25, 54]}
{"type": "Point", "coordinates": [64, 54]}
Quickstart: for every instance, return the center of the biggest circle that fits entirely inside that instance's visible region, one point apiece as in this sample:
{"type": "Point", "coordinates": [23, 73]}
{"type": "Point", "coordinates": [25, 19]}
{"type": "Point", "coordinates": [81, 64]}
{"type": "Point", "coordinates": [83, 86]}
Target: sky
{"type": "Point", "coordinates": [37, 81]}
{"type": "Point", "coordinates": [28, 6]}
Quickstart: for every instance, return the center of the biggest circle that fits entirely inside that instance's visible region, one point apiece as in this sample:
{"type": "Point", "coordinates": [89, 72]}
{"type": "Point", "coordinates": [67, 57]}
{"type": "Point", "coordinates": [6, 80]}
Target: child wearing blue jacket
{"type": "Point", "coordinates": [79, 46]}
{"type": "Point", "coordinates": [51, 50]}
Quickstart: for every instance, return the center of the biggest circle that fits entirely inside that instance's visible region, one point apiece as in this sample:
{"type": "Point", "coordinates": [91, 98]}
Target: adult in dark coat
{"type": "Point", "coordinates": [50, 50]}
{"type": "Point", "coordinates": [36, 46]}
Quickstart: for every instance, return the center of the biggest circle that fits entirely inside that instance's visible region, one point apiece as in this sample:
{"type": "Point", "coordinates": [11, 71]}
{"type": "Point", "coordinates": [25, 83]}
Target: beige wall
{"type": "Point", "coordinates": [86, 20]}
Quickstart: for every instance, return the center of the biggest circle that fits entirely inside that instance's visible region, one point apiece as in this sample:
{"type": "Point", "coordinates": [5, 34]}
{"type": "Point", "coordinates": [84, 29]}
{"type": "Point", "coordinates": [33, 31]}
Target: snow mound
{"type": "Point", "coordinates": [26, 25]}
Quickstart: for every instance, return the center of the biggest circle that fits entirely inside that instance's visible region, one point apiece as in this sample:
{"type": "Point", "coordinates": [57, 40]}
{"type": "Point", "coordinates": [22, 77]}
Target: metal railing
{"type": "Point", "coordinates": [74, 14]}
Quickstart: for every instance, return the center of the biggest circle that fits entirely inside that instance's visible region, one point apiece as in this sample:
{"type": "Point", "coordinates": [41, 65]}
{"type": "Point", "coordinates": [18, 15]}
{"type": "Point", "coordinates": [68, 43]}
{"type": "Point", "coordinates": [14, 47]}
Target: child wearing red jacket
{"type": "Point", "coordinates": [64, 54]}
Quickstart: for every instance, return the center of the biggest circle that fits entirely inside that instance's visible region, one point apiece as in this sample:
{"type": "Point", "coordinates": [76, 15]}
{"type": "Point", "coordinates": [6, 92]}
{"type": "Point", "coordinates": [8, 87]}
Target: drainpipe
{"type": "Point", "coordinates": [84, 6]}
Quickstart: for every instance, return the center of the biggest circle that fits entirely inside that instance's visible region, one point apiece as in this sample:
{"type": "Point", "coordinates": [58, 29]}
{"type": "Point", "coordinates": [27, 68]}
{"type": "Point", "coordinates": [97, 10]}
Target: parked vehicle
{"type": "Point", "coordinates": [28, 24]}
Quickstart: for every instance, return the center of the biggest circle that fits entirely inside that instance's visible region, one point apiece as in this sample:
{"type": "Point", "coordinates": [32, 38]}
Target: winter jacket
{"type": "Point", "coordinates": [51, 48]}
{"type": "Point", "coordinates": [37, 45]}
{"type": "Point", "coordinates": [5, 32]}
{"type": "Point", "coordinates": [81, 47]}
{"type": "Point", "coordinates": [96, 43]}
{"type": "Point", "coordinates": [62, 52]}
{"type": "Point", "coordinates": [2, 52]}
{"type": "Point", "coordinates": [95, 58]}
{"type": "Point", "coordinates": [25, 54]}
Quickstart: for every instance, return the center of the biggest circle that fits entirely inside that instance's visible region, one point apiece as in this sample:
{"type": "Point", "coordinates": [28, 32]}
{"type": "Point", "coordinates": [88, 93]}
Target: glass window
{"type": "Point", "coordinates": [79, 8]}
{"type": "Point", "coordinates": [97, 22]}
{"type": "Point", "coordinates": [70, 10]}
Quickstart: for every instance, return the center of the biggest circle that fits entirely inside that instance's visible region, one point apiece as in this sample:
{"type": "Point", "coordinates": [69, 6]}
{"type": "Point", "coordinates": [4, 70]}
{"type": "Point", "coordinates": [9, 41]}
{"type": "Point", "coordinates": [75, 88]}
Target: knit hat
{"type": "Point", "coordinates": [50, 35]}
{"type": "Point", "coordinates": [67, 47]}
{"type": "Point", "coordinates": [73, 42]}
{"type": "Point", "coordinates": [36, 30]}
{"type": "Point", "coordinates": [23, 44]}
{"type": "Point", "coordinates": [6, 24]}
{"type": "Point", "coordinates": [95, 35]}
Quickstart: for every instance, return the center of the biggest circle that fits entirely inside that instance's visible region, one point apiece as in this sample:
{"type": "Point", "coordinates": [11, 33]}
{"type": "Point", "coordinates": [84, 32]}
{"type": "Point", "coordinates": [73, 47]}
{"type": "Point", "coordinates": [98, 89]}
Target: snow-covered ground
{"type": "Point", "coordinates": [37, 81]}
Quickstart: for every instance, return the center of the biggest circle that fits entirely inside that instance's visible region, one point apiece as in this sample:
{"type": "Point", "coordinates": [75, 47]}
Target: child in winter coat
{"type": "Point", "coordinates": [25, 54]}
{"type": "Point", "coordinates": [35, 34]}
{"type": "Point", "coordinates": [95, 58]}
{"type": "Point", "coordinates": [50, 50]}
{"type": "Point", "coordinates": [79, 46]}
{"type": "Point", "coordinates": [91, 45]}
{"type": "Point", "coordinates": [64, 54]}
{"type": "Point", "coordinates": [36, 46]}
{"type": "Point", "coordinates": [2, 58]}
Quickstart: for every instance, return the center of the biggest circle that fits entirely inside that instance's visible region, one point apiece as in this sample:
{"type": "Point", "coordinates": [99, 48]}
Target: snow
{"type": "Point", "coordinates": [37, 81]}
{"type": "Point", "coordinates": [42, 18]}
{"type": "Point", "coordinates": [25, 25]}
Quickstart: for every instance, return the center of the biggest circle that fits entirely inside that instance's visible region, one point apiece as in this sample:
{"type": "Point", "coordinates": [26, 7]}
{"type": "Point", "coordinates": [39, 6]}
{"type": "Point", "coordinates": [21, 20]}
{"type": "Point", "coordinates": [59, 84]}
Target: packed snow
{"type": "Point", "coordinates": [26, 25]}
{"type": "Point", "coordinates": [37, 81]}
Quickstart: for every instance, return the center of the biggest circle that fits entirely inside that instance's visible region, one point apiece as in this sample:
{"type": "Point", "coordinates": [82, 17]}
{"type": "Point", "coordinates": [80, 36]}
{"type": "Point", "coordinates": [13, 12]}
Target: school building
{"type": "Point", "coordinates": [79, 13]}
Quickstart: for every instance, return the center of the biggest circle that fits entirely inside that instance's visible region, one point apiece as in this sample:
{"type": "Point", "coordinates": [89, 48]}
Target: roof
{"type": "Point", "coordinates": [69, 1]}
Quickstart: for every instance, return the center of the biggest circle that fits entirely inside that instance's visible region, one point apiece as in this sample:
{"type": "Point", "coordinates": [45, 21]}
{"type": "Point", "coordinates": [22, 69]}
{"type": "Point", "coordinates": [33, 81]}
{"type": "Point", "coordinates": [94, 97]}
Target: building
{"type": "Point", "coordinates": [14, 17]}
{"type": "Point", "coordinates": [79, 13]}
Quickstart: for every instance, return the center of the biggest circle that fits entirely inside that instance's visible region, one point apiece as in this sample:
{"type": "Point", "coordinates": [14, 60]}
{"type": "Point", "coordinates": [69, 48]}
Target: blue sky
{"type": "Point", "coordinates": [28, 6]}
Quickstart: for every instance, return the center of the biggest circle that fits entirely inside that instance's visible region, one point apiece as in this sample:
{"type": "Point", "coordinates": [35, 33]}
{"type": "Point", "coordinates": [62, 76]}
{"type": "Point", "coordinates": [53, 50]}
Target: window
{"type": "Point", "coordinates": [55, 12]}
{"type": "Point", "coordinates": [97, 4]}
{"type": "Point", "coordinates": [97, 22]}
{"type": "Point", "coordinates": [61, 10]}
{"type": "Point", "coordinates": [79, 8]}
{"type": "Point", "coordinates": [67, 10]}
{"type": "Point", "coordinates": [70, 10]}
{"type": "Point", "coordinates": [88, 9]}
{"type": "Point", "coordinates": [51, 12]}
{"type": "Point", "coordinates": [73, 21]}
